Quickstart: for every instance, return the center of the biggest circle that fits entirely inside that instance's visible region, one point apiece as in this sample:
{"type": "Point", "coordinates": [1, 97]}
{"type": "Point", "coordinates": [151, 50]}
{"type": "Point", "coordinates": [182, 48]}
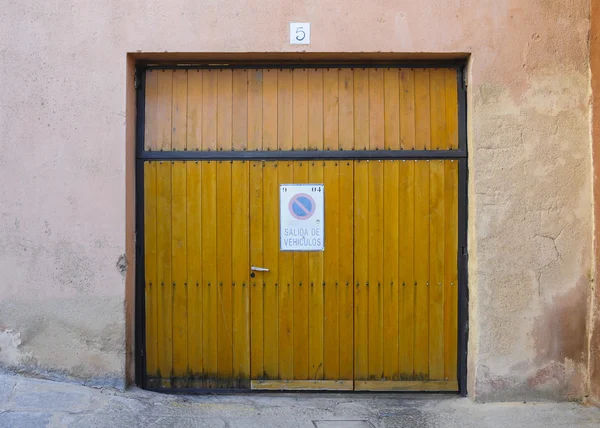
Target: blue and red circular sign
{"type": "Point", "coordinates": [302, 206]}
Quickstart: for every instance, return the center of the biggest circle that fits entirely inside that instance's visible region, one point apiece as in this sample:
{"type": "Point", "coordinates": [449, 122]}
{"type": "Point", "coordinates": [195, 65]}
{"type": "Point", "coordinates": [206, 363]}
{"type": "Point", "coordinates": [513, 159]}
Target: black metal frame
{"type": "Point", "coordinates": [140, 289]}
{"type": "Point", "coordinates": [460, 155]}
{"type": "Point", "coordinates": [268, 64]}
{"type": "Point", "coordinates": [463, 254]}
{"type": "Point", "coordinates": [278, 155]}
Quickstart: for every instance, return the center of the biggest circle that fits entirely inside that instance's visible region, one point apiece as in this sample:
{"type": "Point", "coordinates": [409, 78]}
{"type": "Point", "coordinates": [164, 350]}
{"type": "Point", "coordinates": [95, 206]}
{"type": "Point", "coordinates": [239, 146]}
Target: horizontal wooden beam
{"type": "Point", "coordinates": [302, 385]}
{"type": "Point", "coordinates": [393, 385]}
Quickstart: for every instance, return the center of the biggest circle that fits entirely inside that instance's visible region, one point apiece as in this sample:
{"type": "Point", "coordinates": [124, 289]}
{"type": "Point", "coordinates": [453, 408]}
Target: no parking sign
{"type": "Point", "coordinates": [301, 217]}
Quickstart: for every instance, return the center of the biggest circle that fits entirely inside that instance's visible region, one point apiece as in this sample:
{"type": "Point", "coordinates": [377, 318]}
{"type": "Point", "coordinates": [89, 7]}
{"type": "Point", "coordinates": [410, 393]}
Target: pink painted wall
{"type": "Point", "coordinates": [63, 170]}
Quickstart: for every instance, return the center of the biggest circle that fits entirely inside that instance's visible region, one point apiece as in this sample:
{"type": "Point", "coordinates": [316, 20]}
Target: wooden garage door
{"type": "Point", "coordinates": [377, 310]}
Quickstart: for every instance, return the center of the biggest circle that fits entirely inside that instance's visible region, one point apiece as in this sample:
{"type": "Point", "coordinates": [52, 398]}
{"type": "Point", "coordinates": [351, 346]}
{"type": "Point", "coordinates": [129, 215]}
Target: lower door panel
{"type": "Point", "coordinates": [377, 310]}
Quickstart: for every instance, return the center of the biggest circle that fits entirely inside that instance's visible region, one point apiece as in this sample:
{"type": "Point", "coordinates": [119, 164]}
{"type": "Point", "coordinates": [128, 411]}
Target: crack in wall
{"type": "Point", "coordinates": [557, 259]}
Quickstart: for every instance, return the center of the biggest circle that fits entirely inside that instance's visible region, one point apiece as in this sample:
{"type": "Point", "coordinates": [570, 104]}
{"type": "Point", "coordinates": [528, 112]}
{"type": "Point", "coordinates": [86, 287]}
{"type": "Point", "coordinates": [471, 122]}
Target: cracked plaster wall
{"type": "Point", "coordinates": [63, 167]}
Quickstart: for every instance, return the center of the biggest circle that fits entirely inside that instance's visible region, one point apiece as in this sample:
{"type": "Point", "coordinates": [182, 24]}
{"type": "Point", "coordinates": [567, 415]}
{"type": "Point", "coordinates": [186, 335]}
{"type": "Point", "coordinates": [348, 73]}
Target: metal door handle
{"type": "Point", "coordinates": [259, 269]}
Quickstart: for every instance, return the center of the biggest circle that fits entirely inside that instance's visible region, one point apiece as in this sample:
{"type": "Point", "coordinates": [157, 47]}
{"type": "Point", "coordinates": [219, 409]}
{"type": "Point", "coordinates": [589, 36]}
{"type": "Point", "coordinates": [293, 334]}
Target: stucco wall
{"type": "Point", "coordinates": [594, 360]}
{"type": "Point", "coordinates": [63, 209]}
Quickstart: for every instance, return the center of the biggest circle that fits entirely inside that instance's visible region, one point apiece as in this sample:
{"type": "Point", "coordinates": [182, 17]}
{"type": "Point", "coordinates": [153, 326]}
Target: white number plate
{"type": "Point", "coordinates": [300, 33]}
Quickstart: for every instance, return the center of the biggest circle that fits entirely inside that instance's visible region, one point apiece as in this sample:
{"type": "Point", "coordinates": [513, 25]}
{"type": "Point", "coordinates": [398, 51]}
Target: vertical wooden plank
{"type": "Point", "coordinates": [270, 227]}
{"type": "Point", "coordinates": [151, 111]}
{"type": "Point", "coordinates": [346, 268]}
{"type": "Point", "coordinates": [240, 110]}
{"type": "Point", "coordinates": [422, 110]}
{"type": "Point", "coordinates": [331, 117]}
{"type": "Point", "coordinates": [194, 110]}
{"type": "Point", "coordinates": [209, 273]}
{"type": "Point", "coordinates": [361, 226]}
{"type": "Point", "coordinates": [240, 176]}
{"type": "Point", "coordinates": [271, 262]}
{"type": "Point", "coordinates": [450, 269]}
{"type": "Point", "coordinates": [315, 291]}
{"type": "Point", "coordinates": [284, 109]}
{"type": "Point", "coordinates": [163, 244]}
{"type": "Point", "coordinates": [269, 109]}
{"type": "Point", "coordinates": [151, 287]}
{"type": "Point", "coordinates": [255, 142]}
{"type": "Point", "coordinates": [164, 102]}
{"type": "Point", "coordinates": [315, 259]}
{"type": "Point", "coordinates": [331, 274]}
{"type": "Point", "coordinates": [451, 87]}
{"type": "Point", "coordinates": [421, 269]}
{"type": "Point", "coordinates": [224, 109]}
{"type": "Point", "coordinates": [375, 276]}
{"type": "Point", "coordinates": [209, 235]}
{"type": "Point", "coordinates": [255, 109]}
{"type": "Point", "coordinates": [240, 234]}
{"type": "Point", "coordinates": [391, 109]}
{"type": "Point", "coordinates": [438, 109]}
{"type": "Point", "coordinates": [361, 109]}
{"type": "Point", "coordinates": [256, 259]}
{"type": "Point", "coordinates": [224, 279]}
{"type": "Point", "coordinates": [224, 246]}
{"type": "Point", "coordinates": [301, 286]}
{"type": "Point", "coordinates": [194, 266]}
{"type": "Point", "coordinates": [315, 109]}
{"type": "Point", "coordinates": [286, 292]}
{"type": "Point", "coordinates": [179, 110]}
{"type": "Point", "coordinates": [390, 284]}
{"type": "Point", "coordinates": [346, 108]}
{"type": "Point", "coordinates": [406, 238]}
{"type": "Point", "coordinates": [300, 109]}
{"type": "Point", "coordinates": [376, 109]}
{"type": "Point", "coordinates": [436, 232]}
{"type": "Point", "coordinates": [407, 108]}
{"type": "Point", "coordinates": [331, 271]}
{"type": "Point", "coordinates": [178, 219]}
{"type": "Point", "coordinates": [300, 142]}
{"type": "Point", "coordinates": [209, 110]}
{"type": "Point", "coordinates": [361, 269]}
{"type": "Point", "coordinates": [179, 276]}
{"type": "Point", "coordinates": [436, 270]}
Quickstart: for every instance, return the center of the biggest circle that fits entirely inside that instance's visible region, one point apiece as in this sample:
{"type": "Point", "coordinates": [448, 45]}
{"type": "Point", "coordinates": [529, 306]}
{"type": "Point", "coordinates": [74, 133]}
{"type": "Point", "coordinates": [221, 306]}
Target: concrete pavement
{"type": "Point", "coordinates": [27, 402]}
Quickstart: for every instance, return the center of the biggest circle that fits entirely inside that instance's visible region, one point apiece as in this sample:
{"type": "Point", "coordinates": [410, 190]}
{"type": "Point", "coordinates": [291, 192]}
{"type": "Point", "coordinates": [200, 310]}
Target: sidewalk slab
{"type": "Point", "coordinates": [26, 402]}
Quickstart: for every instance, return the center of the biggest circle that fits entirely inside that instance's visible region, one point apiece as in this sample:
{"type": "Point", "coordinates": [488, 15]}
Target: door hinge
{"type": "Point", "coordinates": [464, 80]}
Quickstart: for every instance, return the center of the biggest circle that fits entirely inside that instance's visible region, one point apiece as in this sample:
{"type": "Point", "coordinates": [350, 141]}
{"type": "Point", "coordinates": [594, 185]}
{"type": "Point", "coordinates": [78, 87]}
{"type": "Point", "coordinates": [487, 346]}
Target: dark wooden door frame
{"type": "Point", "coordinates": [460, 155]}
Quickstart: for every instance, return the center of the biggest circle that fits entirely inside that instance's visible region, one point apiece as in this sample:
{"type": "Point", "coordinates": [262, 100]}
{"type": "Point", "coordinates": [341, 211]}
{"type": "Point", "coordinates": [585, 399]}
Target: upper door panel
{"type": "Point", "coordinates": [301, 109]}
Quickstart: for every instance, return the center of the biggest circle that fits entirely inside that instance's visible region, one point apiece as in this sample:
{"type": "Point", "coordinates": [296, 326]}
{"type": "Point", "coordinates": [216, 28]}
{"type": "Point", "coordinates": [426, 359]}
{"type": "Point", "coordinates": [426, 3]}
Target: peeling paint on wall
{"type": "Point", "coordinates": [10, 354]}
{"type": "Point", "coordinates": [122, 265]}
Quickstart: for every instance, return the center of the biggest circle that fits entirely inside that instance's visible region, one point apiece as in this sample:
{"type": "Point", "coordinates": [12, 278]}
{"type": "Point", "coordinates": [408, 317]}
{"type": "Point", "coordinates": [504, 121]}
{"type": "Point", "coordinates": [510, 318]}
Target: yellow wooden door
{"type": "Point", "coordinates": [197, 274]}
{"type": "Point", "coordinates": [405, 231]}
{"type": "Point", "coordinates": [406, 276]}
{"type": "Point", "coordinates": [301, 310]}
{"type": "Point", "coordinates": [214, 323]}
{"type": "Point", "coordinates": [377, 310]}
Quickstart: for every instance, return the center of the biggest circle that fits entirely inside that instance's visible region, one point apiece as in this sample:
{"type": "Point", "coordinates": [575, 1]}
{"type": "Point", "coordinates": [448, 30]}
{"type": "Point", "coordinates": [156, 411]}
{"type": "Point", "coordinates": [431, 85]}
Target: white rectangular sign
{"type": "Point", "coordinates": [300, 33]}
{"type": "Point", "coordinates": [301, 217]}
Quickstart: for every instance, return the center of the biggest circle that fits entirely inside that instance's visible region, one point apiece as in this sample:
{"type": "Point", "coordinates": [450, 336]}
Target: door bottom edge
{"type": "Point", "coordinates": [410, 385]}
{"type": "Point", "coordinates": [302, 385]}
